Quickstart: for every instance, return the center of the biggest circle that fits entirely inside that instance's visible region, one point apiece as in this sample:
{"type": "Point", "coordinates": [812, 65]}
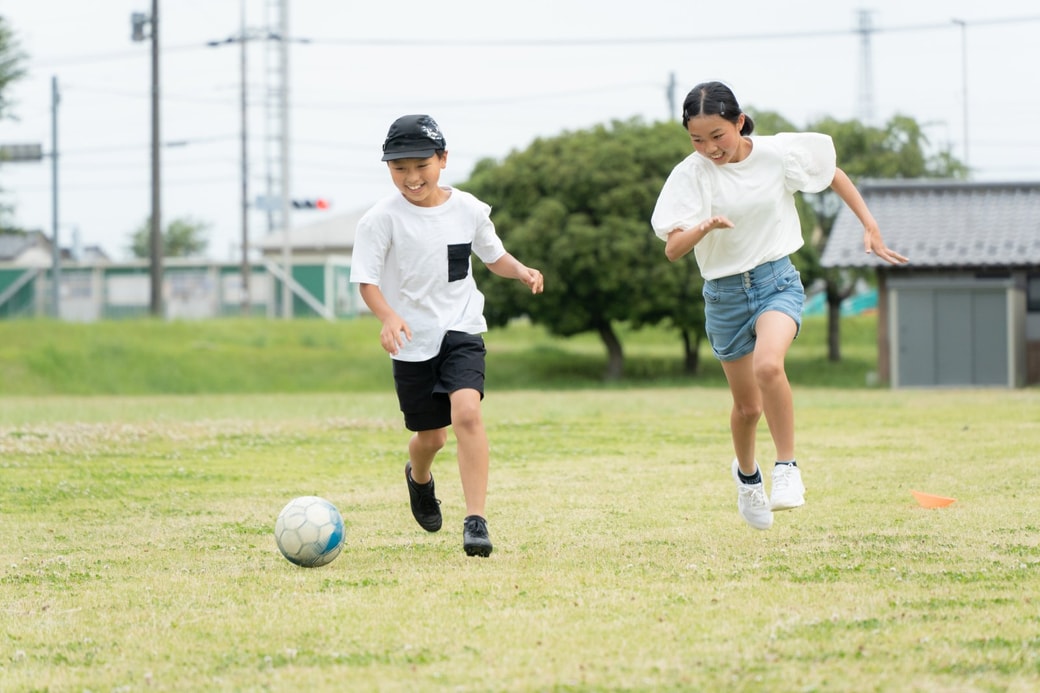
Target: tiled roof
{"type": "Point", "coordinates": [944, 224]}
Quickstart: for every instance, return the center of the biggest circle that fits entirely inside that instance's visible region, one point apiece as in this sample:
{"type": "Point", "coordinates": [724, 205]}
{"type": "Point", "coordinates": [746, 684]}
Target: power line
{"type": "Point", "coordinates": [654, 40]}
{"type": "Point", "coordinates": [362, 42]}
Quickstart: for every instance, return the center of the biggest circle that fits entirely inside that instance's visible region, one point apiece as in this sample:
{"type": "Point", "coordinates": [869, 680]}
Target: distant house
{"type": "Point", "coordinates": [966, 310]}
{"type": "Point", "coordinates": [31, 249]}
{"type": "Point", "coordinates": [34, 249]}
{"type": "Point", "coordinates": [323, 236]}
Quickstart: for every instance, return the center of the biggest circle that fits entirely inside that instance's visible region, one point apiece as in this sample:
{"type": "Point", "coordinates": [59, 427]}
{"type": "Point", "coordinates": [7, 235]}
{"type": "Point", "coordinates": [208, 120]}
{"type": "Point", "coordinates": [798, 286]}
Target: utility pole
{"type": "Point", "coordinates": [138, 21]}
{"type": "Point", "coordinates": [243, 39]}
{"type": "Point", "coordinates": [243, 102]}
{"type": "Point", "coordinates": [56, 272]}
{"type": "Point", "coordinates": [671, 95]}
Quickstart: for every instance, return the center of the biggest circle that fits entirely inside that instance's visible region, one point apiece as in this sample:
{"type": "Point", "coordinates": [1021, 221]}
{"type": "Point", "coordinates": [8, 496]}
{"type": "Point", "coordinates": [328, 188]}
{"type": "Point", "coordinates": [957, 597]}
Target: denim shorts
{"type": "Point", "coordinates": [733, 304]}
{"type": "Point", "coordinates": [423, 387]}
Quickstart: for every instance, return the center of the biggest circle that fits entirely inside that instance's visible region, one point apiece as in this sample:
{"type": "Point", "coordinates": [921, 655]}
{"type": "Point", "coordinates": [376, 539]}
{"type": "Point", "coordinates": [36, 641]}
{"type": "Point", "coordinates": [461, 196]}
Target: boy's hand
{"type": "Point", "coordinates": [533, 279]}
{"type": "Point", "coordinates": [394, 334]}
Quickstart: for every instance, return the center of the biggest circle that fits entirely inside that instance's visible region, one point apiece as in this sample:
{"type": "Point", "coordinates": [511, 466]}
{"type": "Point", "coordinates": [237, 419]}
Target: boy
{"type": "Point", "coordinates": [412, 261]}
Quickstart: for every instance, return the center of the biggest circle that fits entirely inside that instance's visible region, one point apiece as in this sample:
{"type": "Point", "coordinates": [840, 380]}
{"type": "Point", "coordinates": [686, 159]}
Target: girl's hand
{"type": "Point", "coordinates": [873, 243]}
{"type": "Point", "coordinates": [717, 222]}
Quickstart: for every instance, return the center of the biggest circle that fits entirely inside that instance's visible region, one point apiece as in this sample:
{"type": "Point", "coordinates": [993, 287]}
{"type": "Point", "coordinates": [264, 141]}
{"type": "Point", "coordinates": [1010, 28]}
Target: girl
{"type": "Point", "coordinates": [732, 203]}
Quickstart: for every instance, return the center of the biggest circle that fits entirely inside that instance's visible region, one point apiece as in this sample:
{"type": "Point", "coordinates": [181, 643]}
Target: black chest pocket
{"type": "Point", "coordinates": [458, 261]}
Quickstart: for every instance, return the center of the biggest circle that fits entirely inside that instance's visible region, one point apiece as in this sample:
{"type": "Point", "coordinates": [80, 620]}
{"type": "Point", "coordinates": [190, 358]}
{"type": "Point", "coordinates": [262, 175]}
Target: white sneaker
{"type": "Point", "coordinates": [788, 489]}
{"type": "Point", "coordinates": [752, 502]}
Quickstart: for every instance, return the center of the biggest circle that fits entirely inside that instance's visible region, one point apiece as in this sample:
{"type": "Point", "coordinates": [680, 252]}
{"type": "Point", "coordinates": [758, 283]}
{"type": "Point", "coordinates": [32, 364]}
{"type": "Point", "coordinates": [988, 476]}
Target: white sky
{"type": "Point", "coordinates": [494, 75]}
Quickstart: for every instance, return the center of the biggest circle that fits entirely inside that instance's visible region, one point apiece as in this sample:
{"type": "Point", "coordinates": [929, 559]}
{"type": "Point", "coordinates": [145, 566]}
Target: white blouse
{"type": "Point", "coordinates": [756, 194]}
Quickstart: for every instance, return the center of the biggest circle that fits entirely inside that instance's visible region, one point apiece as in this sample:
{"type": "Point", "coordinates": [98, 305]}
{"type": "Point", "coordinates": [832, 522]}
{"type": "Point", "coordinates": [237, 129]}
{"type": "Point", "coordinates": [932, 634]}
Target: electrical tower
{"type": "Point", "coordinates": [276, 140]}
{"type": "Point", "coordinates": [865, 104]}
{"type": "Point", "coordinates": [273, 111]}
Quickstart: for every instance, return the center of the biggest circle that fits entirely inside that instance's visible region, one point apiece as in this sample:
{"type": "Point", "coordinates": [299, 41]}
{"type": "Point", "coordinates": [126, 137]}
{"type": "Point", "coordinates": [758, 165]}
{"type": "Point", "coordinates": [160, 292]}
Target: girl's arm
{"type": "Point", "coordinates": [872, 241]}
{"type": "Point", "coordinates": [680, 241]}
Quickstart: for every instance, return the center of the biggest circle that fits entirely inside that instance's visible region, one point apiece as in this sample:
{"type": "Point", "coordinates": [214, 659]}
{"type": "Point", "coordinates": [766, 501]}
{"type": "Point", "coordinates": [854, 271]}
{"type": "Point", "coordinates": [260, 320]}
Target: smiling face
{"type": "Point", "coordinates": [717, 139]}
{"type": "Point", "coordinates": [418, 179]}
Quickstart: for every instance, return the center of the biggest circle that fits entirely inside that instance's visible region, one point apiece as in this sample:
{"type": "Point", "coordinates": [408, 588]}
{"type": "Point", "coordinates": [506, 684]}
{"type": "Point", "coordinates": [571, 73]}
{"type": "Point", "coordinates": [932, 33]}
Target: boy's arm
{"type": "Point", "coordinates": [872, 241]}
{"type": "Point", "coordinates": [509, 267]}
{"type": "Point", "coordinates": [395, 330]}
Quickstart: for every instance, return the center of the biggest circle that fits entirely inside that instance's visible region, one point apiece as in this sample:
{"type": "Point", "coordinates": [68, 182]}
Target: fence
{"type": "Point", "coordinates": [190, 291]}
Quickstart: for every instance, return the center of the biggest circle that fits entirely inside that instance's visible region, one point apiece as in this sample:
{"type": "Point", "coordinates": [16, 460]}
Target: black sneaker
{"type": "Point", "coordinates": [475, 536]}
{"type": "Point", "coordinates": [425, 506]}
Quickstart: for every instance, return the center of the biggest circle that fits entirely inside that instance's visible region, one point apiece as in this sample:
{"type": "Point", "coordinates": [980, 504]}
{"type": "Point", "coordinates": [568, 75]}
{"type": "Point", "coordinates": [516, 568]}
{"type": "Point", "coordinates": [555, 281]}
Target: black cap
{"type": "Point", "coordinates": [413, 137]}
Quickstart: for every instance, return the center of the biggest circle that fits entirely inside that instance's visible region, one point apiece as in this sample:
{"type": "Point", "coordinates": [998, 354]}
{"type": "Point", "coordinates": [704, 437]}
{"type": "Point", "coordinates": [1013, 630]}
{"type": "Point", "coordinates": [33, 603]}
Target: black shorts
{"type": "Point", "coordinates": [423, 386]}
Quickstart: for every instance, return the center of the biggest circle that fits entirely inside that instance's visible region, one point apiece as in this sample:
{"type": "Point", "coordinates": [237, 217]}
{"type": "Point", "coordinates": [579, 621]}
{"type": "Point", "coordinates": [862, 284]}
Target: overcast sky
{"type": "Point", "coordinates": [494, 75]}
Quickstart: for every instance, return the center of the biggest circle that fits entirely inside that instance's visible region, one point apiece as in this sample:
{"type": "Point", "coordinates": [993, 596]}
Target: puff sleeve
{"type": "Point", "coordinates": [809, 161]}
{"type": "Point", "coordinates": [685, 199]}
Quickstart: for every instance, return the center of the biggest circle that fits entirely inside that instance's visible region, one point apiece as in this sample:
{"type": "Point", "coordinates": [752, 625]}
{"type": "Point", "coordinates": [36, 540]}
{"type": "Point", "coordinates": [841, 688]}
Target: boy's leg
{"type": "Point", "coordinates": [473, 468]}
{"type": "Point", "coordinates": [421, 491]}
{"type": "Point", "coordinates": [422, 448]}
{"type": "Point", "coordinates": [474, 454]}
{"type": "Point", "coordinates": [428, 417]}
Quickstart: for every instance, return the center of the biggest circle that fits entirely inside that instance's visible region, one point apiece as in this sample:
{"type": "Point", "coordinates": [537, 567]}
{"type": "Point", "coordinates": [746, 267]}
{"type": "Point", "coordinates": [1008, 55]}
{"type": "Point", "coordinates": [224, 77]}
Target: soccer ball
{"type": "Point", "coordinates": [309, 531]}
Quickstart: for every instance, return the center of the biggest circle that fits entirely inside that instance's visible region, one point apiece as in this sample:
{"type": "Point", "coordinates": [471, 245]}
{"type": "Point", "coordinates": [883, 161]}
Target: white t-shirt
{"type": "Point", "coordinates": [420, 259]}
{"type": "Point", "coordinates": [756, 194]}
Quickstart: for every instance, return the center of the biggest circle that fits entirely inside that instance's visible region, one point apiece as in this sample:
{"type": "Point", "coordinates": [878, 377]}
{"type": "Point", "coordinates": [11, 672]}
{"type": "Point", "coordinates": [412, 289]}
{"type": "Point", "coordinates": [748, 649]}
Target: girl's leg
{"type": "Point", "coordinates": [474, 454]}
{"type": "Point", "coordinates": [422, 448]}
{"type": "Point", "coordinates": [747, 409]}
{"type": "Point", "coordinates": [775, 333]}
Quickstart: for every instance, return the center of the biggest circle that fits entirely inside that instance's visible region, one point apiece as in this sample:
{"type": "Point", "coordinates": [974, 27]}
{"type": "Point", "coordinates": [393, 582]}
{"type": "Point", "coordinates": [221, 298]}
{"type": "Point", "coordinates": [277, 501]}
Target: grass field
{"type": "Point", "coordinates": [237, 356]}
{"type": "Point", "coordinates": [137, 533]}
{"type": "Point", "coordinates": [140, 554]}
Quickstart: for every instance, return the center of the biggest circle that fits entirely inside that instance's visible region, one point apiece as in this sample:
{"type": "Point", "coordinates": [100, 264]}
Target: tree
{"type": "Point", "coordinates": [11, 69]}
{"type": "Point", "coordinates": [897, 150]}
{"type": "Point", "coordinates": [577, 207]}
{"type": "Point", "coordinates": [11, 65]}
{"type": "Point", "coordinates": [183, 237]}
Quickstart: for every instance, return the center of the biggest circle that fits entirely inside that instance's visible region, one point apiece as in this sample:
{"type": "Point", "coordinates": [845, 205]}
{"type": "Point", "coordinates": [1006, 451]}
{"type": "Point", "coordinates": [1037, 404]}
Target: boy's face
{"type": "Point", "coordinates": [418, 179]}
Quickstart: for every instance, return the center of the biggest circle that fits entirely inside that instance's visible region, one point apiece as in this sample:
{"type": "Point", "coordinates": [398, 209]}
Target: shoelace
{"type": "Point", "coordinates": [476, 528]}
{"type": "Point", "coordinates": [757, 496]}
{"type": "Point", "coordinates": [781, 478]}
{"type": "Point", "coordinates": [428, 502]}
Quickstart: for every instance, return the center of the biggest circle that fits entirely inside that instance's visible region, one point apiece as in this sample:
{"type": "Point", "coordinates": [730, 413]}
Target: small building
{"type": "Point", "coordinates": [320, 252]}
{"type": "Point", "coordinates": [966, 310]}
{"type": "Point", "coordinates": [95, 288]}
{"type": "Point", "coordinates": [30, 249]}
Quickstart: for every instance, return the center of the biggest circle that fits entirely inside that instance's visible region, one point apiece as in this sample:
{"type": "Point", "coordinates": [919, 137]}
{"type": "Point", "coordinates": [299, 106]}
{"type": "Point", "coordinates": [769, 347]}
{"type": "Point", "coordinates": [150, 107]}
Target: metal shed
{"type": "Point", "coordinates": [966, 310]}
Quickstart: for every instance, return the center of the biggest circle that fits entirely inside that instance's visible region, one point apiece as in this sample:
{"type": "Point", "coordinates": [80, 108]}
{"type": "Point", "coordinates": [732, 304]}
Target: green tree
{"type": "Point", "coordinates": [577, 207]}
{"type": "Point", "coordinates": [12, 65]}
{"type": "Point", "coordinates": [183, 237]}
{"type": "Point", "coordinates": [12, 61]}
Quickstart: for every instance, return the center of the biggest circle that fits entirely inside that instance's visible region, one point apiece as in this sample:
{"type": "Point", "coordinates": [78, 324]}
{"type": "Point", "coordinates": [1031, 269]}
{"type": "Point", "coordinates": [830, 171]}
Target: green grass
{"type": "Point", "coordinates": [142, 465]}
{"type": "Point", "coordinates": [139, 554]}
{"type": "Point", "coordinates": [237, 356]}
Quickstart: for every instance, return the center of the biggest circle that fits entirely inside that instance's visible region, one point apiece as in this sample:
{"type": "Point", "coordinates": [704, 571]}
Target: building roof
{"type": "Point", "coordinates": [942, 223]}
{"type": "Point", "coordinates": [15, 246]}
{"type": "Point", "coordinates": [327, 234]}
